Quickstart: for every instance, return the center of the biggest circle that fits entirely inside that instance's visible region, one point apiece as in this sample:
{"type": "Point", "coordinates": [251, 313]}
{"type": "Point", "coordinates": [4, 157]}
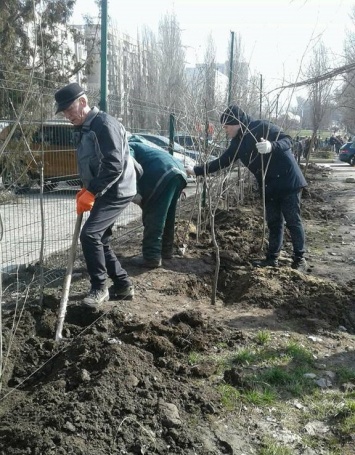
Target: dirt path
{"type": "Point", "coordinates": [169, 373]}
{"type": "Point", "coordinates": [331, 238]}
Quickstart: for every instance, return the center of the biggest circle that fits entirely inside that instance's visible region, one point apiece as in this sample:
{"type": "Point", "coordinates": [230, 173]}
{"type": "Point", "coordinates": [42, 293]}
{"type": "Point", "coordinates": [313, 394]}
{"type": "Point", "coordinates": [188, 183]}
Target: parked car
{"type": "Point", "coordinates": [35, 146]}
{"type": "Point", "coordinates": [347, 153]}
{"type": "Point", "coordinates": [189, 142]}
{"type": "Point", "coordinates": [163, 142]}
{"type": "Point", "coordinates": [198, 143]}
{"type": "Point", "coordinates": [186, 160]}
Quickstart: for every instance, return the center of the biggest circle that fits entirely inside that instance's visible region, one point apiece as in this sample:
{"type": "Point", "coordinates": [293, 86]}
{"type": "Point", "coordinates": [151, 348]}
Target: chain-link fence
{"type": "Point", "coordinates": [39, 181]}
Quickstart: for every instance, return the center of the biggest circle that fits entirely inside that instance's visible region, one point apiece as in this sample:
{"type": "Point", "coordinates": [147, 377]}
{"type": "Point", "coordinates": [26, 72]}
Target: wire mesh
{"type": "Point", "coordinates": [39, 181]}
{"type": "Point", "coordinates": [38, 185]}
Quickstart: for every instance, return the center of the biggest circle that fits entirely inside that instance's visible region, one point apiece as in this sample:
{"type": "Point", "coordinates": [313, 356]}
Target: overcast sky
{"type": "Point", "coordinates": [275, 35]}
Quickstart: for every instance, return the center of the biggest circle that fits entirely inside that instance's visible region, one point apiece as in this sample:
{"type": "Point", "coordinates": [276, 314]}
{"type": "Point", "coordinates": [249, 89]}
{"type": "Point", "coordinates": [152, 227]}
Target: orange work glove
{"type": "Point", "coordinates": [85, 202]}
{"type": "Point", "coordinates": [80, 193]}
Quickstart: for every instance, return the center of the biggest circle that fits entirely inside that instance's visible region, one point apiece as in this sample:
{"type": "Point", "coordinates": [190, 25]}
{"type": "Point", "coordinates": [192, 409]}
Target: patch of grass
{"type": "Point", "coordinates": [272, 448]}
{"type": "Point", "coordinates": [244, 357]}
{"type": "Point", "coordinates": [259, 397]}
{"type": "Point", "coordinates": [350, 405]}
{"type": "Point", "coordinates": [229, 396]}
{"type": "Point", "coordinates": [193, 358]}
{"type": "Point", "coordinates": [333, 409]}
{"type": "Point", "coordinates": [346, 374]}
{"type": "Point", "coordinates": [275, 372]}
{"type": "Point", "coordinates": [322, 407]}
{"type": "Point", "coordinates": [283, 381]}
{"type": "Point", "coordinates": [222, 345]}
{"type": "Point", "coordinates": [263, 337]}
{"type": "Point", "coordinates": [346, 419]}
{"type": "Point", "coordinates": [269, 374]}
{"type": "Point", "coordinates": [299, 354]}
{"type": "Point", "coordinates": [277, 376]}
{"type": "Point", "coordinates": [348, 425]}
{"type": "Point", "coordinates": [267, 357]}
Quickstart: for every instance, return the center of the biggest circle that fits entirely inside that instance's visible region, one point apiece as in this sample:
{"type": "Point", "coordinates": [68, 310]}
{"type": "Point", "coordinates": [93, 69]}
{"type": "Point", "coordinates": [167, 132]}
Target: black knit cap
{"type": "Point", "coordinates": [230, 116]}
{"type": "Point", "coordinates": [67, 95]}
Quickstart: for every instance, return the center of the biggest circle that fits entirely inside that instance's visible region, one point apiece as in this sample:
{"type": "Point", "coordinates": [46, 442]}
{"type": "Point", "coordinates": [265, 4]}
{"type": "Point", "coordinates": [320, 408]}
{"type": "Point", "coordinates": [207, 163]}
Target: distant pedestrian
{"type": "Point", "coordinates": [298, 149]}
{"type": "Point", "coordinates": [107, 172]}
{"type": "Point", "coordinates": [307, 148]}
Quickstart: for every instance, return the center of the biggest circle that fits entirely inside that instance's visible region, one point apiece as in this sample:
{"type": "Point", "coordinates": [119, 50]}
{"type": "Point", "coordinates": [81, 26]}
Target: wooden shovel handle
{"type": "Point", "coordinates": [67, 278]}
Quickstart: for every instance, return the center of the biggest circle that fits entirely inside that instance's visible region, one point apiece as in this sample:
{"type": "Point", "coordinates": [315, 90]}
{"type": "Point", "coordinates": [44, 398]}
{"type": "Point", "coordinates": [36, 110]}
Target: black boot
{"type": "Point", "coordinates": [140, 261]}
{"type": "Point", "coordinates": [267, 262]}
{"type": "Point", "coordinates": [121, 292]}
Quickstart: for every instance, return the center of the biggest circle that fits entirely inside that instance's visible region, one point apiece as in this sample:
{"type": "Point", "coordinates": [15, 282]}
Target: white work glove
{"type": "Point", "coordinates": [137, 200]}
{"type": "Point", "coordinates": [264, 146]}
{"type": "Point", "coordinates": [189, 170]}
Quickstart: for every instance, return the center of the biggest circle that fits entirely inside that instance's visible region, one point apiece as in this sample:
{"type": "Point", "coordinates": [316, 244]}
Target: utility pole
{"type": "Point", "coordinates": [171, 133]}
{"type": "Point", "coordinates": [103, 80]}
{"type": "Point", "coordinates": [231, 58]}
{"type": "Point", "coordinates": [261, 95]}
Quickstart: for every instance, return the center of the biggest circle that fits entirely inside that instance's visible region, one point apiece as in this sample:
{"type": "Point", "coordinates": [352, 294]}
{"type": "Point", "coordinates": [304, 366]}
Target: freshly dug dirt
{"type": "Point", "coordinates": [126, 379]}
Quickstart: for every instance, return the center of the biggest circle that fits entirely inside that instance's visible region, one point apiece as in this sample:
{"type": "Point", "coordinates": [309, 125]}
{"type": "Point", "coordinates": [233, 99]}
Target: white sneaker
{"type": "Point", "coordinates": [96, 297]}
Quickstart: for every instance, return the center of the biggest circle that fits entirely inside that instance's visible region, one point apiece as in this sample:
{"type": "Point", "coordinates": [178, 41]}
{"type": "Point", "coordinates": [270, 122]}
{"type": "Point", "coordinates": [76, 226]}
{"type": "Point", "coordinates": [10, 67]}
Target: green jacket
{"type": "Point", "coordinates": [158, 169]}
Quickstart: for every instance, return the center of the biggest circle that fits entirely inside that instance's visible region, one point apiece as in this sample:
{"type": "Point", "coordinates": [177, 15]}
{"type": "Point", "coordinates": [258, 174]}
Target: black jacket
{"type": "Point", "coordinates": [283, 175]}
{"type": "Point", "coordinates": [104, 161]}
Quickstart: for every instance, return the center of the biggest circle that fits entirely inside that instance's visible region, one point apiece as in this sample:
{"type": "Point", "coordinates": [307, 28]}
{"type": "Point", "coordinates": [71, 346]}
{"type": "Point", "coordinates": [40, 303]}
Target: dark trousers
{"type": "Point", "coordinates": [95, 237]}
{"type": "Point", "coordinates": [159, 221]}
{"type": "Point", "coordinates": [283, 209]}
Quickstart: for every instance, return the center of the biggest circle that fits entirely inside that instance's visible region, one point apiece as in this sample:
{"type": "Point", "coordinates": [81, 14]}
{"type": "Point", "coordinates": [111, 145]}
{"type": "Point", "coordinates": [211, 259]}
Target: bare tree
{"type": "Point", "coordinates": [319, 93]}
{"type": "Point", "coordinates": [210, 67]}
{"type": "Point", "coordinates": [171, 63]}
{"type": "Point", "coordinates": [146, 87]}
{"type": "Point", "coordinates": [346, 95]}
{"type": "Point", "coordinates": [35, 52]}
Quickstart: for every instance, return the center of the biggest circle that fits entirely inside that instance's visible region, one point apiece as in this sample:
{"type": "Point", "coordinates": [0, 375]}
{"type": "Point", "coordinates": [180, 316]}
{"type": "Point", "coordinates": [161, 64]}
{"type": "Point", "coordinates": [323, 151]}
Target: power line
{"type": "Point", "coordinates": [313, 80]}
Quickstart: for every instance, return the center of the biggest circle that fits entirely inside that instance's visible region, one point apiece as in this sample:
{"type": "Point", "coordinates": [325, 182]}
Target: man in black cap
{"type": "Point", "coordinates": [109, 184]}
{"type": "Point", "coordinates": [261, 145]}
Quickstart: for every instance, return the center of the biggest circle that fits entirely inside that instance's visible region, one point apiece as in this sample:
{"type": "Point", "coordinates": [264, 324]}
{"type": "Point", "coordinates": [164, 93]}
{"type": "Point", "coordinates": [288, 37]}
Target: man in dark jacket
{"type": "Point", "coordinates": [107, 172]}
{"type": "Point", "coordinates": [260, 145]}
{"type": "Point", "coordinates": [159, 189]}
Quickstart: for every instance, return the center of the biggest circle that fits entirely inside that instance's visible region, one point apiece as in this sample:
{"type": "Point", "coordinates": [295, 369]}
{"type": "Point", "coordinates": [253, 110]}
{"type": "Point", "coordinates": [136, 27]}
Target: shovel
{"type": "Point", "coordinates": [67, 279]}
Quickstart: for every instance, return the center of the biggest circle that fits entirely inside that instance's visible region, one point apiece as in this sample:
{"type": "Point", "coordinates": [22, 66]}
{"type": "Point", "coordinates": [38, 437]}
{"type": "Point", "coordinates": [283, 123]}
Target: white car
{"type": "Point", "coordinates": [185, 160]}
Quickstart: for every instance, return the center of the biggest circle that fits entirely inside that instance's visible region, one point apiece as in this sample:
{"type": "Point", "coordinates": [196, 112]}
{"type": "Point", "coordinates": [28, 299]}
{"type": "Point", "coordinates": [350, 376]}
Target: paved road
{"type": "Point", "coordinates": [342, 170]}
{"type": "Point", "coordinates": [22, 227]}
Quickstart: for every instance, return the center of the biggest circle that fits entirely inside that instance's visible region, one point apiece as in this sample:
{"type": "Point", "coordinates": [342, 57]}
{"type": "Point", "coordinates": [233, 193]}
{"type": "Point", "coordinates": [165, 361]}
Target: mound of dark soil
{"type": "Point", "coordinates": [126, 380]}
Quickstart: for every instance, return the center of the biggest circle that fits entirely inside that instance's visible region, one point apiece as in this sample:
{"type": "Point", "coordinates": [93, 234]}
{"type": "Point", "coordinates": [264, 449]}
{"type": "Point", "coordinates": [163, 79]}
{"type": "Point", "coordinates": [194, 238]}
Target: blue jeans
{"type": "Point", "coordinates": [283, 209]}
{"type": "Point", "coordinates": [95, 237]}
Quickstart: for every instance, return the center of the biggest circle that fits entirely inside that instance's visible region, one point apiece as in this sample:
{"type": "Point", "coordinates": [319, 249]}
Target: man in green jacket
{"type": "Point", "coordinates": [159, 189]}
